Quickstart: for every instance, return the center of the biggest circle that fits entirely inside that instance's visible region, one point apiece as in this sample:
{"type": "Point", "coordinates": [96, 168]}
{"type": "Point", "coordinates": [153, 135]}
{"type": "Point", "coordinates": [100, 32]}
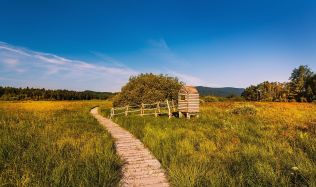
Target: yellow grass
{"type": "Point", "coordinates": [234, 144]}
{"type": "Point", "coordinates": [55, 143]}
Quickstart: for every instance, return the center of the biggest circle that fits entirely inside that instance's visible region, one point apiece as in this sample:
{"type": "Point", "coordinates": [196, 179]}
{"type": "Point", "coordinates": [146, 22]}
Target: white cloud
{"type": "Point", "coordinates": [38, 68]}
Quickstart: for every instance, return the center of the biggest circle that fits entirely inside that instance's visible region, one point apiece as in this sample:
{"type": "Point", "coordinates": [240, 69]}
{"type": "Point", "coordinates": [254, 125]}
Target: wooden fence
{"type": "Point", "coordinates": [143, 109]}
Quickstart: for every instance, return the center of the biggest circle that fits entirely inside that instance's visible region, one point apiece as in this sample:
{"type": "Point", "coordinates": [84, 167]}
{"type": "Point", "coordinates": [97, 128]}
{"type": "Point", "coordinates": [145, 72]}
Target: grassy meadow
{"type": "Point", "coordinates": [234, 144]}
{"type": "Point", "coordinates": [58, 143]}
{"type": "Point", "coordinates": [55, 143]}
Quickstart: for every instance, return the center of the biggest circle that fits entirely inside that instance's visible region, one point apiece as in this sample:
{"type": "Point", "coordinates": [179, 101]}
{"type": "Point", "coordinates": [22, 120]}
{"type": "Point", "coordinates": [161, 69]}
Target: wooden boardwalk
{"type": "Point", "coordinates": [141, 168]}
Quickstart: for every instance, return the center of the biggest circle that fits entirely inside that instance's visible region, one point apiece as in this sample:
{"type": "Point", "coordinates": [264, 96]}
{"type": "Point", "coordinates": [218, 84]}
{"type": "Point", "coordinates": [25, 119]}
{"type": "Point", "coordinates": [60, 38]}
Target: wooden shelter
{"type": "Point", "coordinates": [188, 101]}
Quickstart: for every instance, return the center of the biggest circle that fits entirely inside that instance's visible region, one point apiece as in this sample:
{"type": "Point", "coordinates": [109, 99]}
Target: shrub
{"type": "Point", "coordinates": [211, 99]}
{"type": "Point", "coordinates": [148, 88]}
{"type": "Point", "coordinates": [244, 110]}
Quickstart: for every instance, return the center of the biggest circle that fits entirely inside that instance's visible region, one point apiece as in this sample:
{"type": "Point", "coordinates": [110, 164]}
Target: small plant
{"type": "Point", "coordinates": [244, 110]}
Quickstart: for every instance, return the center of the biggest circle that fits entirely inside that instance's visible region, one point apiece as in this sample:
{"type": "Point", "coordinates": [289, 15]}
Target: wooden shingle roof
{"type": "Point", "coordinates": [189, 90]}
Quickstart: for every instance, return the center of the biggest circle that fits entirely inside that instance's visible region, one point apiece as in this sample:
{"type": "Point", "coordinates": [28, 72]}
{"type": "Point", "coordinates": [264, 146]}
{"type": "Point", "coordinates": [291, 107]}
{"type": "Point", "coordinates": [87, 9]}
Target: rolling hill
{"type": "Point", "coordinates": [223, 92]}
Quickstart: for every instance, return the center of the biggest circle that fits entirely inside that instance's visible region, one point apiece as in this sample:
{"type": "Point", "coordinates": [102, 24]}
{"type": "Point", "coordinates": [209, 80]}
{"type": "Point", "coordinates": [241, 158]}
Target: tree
{"type": "Point", "coordinates": [267, 91]}
{"type": "Point", "coordinates": [311, 88]}
{"type": "Point", "coordinates": [148, 88]}
{"type": "Point", "coordinates": [299, 78]}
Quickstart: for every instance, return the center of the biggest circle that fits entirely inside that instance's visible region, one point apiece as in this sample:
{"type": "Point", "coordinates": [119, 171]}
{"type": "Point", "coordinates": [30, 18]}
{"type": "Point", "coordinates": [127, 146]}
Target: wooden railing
{"type": "Point", "coordinates": [143, 109]}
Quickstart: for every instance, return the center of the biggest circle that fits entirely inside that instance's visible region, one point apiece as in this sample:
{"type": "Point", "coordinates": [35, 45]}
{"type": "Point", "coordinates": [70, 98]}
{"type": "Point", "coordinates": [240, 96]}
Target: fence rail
{"type": "Point", "coordinates": [154, 109]}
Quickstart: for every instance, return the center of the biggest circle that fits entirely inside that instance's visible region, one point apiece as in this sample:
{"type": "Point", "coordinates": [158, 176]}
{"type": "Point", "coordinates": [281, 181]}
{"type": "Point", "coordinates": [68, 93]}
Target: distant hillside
{"type": "Point", "coordinates": [224, 92]}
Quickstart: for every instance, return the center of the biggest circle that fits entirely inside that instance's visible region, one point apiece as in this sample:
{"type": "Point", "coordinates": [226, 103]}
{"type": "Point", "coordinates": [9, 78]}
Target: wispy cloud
{"type": "Point", "coordinates": [187, 79]}
{"type": "Point", "coordinates": [191, 80]}
{"type": "Point", "coordinates": [69, 73]}
{"type": "Point", "coordinates": [11, 62]}
{"type": "Point", "coordinates": [160, 43]}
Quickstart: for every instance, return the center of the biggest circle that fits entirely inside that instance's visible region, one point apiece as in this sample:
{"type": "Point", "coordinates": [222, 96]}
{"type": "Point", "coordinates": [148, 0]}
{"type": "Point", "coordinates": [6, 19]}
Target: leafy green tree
{"type": "Point", "coordinates": [311, 88]}
{"type": "Point", "coordinates": [148, 88]}
{"type": "Point", "coordinates": [267, 91]}
{"type": "Point", "coordinates": [298, 84]}
{"type": "Point", "coordinates": [250, 93]}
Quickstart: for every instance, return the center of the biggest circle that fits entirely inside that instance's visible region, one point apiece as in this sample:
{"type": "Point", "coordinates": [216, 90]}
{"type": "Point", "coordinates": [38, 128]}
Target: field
{"type": "Point", "coordinates": [55, 144]}
{"type": "Point", "coordinates": [234, 144]}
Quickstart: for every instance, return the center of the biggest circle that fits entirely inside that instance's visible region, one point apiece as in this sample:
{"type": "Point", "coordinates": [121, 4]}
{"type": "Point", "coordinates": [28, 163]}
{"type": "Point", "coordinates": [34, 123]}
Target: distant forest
{"type": "Point", "coordinates": [300, 88]}
{"type": "Point", "coordinates": [10, 93]}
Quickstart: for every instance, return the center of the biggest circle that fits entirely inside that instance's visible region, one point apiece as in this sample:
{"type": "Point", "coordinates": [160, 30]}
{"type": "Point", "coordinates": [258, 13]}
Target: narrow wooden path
{"type": "Point", "coordinates": [141, 168]}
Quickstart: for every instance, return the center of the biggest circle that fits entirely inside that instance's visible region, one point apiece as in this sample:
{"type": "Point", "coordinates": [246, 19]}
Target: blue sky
{"type": "Point", "coordinates": [97, 45]}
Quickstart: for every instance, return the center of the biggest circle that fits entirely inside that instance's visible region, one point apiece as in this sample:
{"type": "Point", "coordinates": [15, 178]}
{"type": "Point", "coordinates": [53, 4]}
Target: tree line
{"type": "Point", "coordinates": [300, 88]}
{"type": "Point", "coordinates": [11, 93]}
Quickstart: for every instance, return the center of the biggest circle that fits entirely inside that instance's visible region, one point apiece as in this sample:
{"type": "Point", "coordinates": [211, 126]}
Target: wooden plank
{"type": "Point", "coordinates": [131, 111]}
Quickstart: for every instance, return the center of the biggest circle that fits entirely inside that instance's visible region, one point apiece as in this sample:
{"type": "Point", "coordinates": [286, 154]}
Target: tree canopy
{"type": "Point", "coordinates": [148, 88]}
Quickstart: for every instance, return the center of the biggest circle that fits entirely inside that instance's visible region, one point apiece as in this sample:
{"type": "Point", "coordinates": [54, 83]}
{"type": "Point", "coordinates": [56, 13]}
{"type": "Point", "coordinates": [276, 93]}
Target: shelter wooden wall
{"type": "Point", "coordinates": [189, 100]}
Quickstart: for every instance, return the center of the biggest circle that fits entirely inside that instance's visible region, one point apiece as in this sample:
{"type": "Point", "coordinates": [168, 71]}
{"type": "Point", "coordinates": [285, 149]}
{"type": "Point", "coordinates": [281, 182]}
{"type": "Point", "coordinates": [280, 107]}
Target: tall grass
{"type": "Point", "coordinates": [234, 144]}
{"type": "Point", "coordinates": [55, 144]}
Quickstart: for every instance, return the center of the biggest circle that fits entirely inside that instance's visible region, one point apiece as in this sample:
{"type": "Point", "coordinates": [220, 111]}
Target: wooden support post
{"type": "Point", "coordinates": [169, 111]}
{"type": "Point", "coordinates": [172, 102]}
{"type": "Point", "coordinates": [188, 115]}
{"type": "Point", "coordinates": [126, 111]}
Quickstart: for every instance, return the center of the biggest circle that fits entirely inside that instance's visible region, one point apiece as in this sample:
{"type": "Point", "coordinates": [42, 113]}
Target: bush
{"type": "Point", "coordinates": [148, 88]}
{"type": "Point", "coordinates": [303, 100]}
{"type": "Point", "coordinates": [211, 99]}
{"type": "Point", "coordinates": [244, 110]}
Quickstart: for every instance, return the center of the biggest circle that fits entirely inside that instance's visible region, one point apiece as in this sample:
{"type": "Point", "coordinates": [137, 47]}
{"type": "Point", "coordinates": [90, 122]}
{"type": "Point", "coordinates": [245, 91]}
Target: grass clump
{"type": "Point", "coordinates": [244, 110]}
{"type": "Point", "coordinates": [55, 144]}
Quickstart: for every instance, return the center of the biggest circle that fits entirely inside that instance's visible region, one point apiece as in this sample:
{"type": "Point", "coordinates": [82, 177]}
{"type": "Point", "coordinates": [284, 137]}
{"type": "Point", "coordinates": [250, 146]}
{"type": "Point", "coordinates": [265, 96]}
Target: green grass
{"type": "Point", "coordinates": [234, 144]}
{"type": "Point", "coordinates": [55, 144]}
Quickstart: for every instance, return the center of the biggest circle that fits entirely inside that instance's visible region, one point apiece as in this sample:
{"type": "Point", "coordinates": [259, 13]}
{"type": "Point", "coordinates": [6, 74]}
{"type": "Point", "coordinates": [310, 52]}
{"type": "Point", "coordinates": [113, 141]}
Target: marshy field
{"type": "Point", "coordinates": [58, 143]}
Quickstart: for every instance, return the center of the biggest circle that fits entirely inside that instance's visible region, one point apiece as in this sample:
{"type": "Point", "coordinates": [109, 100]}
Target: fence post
{"type": "Point", "coordinates": [156, 111]}
{"type": "Point", "coordinates": [142, 110]}
{"type": "Point", "coordinates": [158, 106]}
{"type": "Point", "coordinates": [126, 111]}
{"type": "Point", "coordinates": [112, 113]}
{"type": "Point", "coordinates": [169, 111]}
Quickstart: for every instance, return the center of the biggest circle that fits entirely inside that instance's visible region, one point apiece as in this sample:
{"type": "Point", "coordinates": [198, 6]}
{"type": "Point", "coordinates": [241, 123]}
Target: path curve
{"type": "Point", "coordinates": [141, 168]}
